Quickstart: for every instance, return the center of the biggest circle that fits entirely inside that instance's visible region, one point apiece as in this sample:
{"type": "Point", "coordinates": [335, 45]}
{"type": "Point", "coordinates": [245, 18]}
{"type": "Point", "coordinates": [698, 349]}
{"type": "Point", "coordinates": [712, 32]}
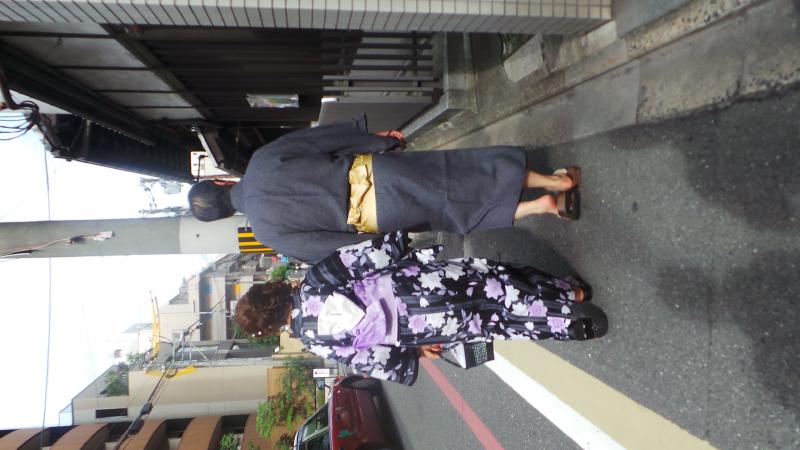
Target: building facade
{"type": "Point", "coordinates": [147, 83]}
{"type": "Point", "coordinates": [204, 378]}
{"type": "Point", "coordinates": [504, 16]}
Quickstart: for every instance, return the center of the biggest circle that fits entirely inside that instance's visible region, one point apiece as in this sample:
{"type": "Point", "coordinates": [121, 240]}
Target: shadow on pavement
{"type": "Point", "coordinates": [749, 174]}
{"type": "Point", "coordinates": [529, 249]}
{"type": "Point", "coordinates": [744, 161]}
{"type": "Point", "coordinates": [760, 301]}
{"type": "Point", "coordinates": [763, 303]}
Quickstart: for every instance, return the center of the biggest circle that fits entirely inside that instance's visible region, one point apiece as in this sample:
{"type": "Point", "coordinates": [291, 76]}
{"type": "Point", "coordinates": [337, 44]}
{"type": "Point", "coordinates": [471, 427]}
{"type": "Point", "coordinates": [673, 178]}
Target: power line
{"type": "Point", "coordinates": [18, 125]}
{"type": "Point", "coordinates": [149, 404]}
{"type": "Point", "coordinates": [133, 428]}
{"type": "Point", "coordinates": [158, 390]}
{"type": "Point", "coordinates": [49, 307]}
{"type": "Point", "coordinates": [33, 117]}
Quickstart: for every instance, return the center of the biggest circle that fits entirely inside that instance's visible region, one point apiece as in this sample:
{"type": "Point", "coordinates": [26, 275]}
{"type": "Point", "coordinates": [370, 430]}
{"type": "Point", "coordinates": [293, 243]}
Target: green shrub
{"type": "Point", "coordinates": [133, 358]}
{"type": "Point", "coordinates": [258, 341]}
{"type": "Point", "coordinates": [280, 273]}
{"type": "Point", "coordinates": [292, 404]}
{"type": "Point", "coordinates": [115, 384]}
{"type": "Point", "coordinates": [229, 442]}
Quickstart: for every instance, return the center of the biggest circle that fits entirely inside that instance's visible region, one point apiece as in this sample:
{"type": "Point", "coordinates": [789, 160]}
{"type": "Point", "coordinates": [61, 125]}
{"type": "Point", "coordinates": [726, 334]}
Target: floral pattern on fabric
{"type": "Point", "coordinates": [440, 302]}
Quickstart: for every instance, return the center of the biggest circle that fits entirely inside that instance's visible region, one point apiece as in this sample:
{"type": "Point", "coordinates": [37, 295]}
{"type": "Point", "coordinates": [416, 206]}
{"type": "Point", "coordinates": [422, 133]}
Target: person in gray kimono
{"type": "Point", "coordinates": [315, 190]}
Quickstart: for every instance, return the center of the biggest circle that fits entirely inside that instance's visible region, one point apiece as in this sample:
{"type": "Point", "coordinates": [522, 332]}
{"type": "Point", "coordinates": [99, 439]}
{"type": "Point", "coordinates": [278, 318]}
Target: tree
{"type": "Point", "coordinates": [291, 404]}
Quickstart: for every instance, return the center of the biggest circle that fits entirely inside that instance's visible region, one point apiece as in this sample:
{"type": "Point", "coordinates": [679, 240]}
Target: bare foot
{"type": "Point", "coordinates": [579, 294]}
{"type": "Point", "coordinates": [549, 204]}
{"type": "Point", "coordinates": [559, 181]}
{"type": "Point", "coordinates": [545, 204]}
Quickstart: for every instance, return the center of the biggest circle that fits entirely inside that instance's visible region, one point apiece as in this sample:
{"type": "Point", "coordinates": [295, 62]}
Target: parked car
{"type": "Point", "coordinates": [353, 418]}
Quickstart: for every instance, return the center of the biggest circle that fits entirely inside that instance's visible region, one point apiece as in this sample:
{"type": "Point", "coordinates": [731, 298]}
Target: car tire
{"type": "Point", "coordinates": [365, 384]}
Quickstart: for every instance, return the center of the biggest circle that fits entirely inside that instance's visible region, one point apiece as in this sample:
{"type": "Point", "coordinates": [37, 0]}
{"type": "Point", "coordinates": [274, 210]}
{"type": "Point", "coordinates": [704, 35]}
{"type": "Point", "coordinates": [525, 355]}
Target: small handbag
{"type": "Point", "coordinates": [469, 354]}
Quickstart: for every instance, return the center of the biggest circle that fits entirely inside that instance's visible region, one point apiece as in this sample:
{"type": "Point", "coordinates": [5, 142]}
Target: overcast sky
{"type": "Point", "coordinates": [93, 299]}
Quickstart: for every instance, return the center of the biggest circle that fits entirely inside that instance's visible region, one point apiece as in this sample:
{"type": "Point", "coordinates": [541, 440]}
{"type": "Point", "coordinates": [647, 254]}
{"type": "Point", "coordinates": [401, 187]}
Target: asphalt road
{"type": "Point", "coordinates": [690, 237]}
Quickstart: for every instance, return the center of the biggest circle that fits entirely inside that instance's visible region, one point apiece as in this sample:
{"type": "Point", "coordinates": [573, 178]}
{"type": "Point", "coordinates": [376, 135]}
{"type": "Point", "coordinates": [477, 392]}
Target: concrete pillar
{"type": "Point", "coordinates": [487, 16]}
{"type": "Point", "coordinates": [155, 236]}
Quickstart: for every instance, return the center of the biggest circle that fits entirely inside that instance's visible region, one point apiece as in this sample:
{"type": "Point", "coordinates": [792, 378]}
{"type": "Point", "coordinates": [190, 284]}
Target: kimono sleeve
{"type": "Point", "coordinates": [426, 255]}
{"type": "Point", "coordinates": [397, 364]}
{"type": "Point", "coordinates": [314, 246]}
{"type": "Point", "coordinates": [356, 261]}
{"type": "Point", "coordinates": [356, 125]}
{"type": "Point", "coordinates": [342, 138]}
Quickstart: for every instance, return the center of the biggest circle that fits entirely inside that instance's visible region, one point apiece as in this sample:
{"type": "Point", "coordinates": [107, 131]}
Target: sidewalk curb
{"type": "Point", "coordinates": [703, 55]}
{"type": "Point", "coordinates": [458, 84]}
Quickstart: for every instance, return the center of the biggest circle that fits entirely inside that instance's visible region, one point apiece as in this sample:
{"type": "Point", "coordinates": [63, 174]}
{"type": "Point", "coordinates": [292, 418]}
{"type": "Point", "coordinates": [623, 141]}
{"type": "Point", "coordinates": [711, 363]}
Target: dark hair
{"type": "Point", "coordinates": [208, 201]}
{"type": "Point", "coordinates": [264, 308]}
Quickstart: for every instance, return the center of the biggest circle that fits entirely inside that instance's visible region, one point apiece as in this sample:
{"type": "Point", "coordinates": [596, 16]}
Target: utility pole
{"type": "Point", "coordinates": [144, 236]}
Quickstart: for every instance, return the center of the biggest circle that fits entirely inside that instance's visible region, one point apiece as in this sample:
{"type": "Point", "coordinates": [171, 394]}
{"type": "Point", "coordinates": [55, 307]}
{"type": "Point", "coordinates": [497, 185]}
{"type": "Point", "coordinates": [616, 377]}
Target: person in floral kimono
{"type": "Point", "coordinates": [378, 306]}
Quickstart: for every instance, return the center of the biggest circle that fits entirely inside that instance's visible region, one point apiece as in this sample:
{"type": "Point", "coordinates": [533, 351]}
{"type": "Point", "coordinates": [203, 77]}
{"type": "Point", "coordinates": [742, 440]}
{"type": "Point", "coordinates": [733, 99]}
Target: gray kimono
{"type": "Point", "coordinates": [295, 191]}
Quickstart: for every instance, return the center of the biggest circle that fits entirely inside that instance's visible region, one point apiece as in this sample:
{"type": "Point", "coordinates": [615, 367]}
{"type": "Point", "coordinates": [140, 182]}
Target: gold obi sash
{"type": "Point", "coordinates": [363, 213]}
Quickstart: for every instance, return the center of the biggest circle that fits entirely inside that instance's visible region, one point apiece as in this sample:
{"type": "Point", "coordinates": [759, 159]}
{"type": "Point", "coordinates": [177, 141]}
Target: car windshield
{"type": "Point", "coordinates": [317, 422]}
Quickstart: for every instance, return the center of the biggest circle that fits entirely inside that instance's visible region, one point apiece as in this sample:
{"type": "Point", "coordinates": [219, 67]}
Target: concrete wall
{"type": "Point", "coordinates": [214, 325]}
{"type": "Point", "coordinates": [179, 316]}
{"type": "Point", "coordinates": [519, 16]}
{"type": "Point", "coordinates": [222, 390]}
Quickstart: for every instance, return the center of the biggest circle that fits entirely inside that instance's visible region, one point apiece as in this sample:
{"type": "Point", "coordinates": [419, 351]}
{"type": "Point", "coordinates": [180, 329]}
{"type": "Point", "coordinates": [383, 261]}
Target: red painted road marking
{"type": "Point", "coordinates": [478, 428]}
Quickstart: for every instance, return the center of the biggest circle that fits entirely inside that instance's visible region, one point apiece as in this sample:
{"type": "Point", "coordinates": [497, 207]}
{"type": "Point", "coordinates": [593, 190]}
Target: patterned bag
{"type": "Point", "coordinates": [469, 354]}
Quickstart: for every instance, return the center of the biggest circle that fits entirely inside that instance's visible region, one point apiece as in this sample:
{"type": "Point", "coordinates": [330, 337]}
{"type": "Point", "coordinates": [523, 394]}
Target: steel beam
{"type": "Point", "coordinates": [39, 81]}
{"type": "Point", "coordinates": [143, 54]}
{"type": "Point", "coordinates": [48, 34]}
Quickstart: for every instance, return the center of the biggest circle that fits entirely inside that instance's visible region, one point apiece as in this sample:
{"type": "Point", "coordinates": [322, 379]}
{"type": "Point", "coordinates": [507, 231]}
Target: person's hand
{"type": "Point", "coordinates": [392, 134]}
{"type": "Point", "coordinates": [432, 351]}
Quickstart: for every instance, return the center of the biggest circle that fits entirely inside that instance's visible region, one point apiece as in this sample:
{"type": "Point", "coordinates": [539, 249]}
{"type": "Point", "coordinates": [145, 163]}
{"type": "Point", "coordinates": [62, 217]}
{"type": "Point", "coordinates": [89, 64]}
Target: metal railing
{"type": "Point", "coordinates": [396, 64]}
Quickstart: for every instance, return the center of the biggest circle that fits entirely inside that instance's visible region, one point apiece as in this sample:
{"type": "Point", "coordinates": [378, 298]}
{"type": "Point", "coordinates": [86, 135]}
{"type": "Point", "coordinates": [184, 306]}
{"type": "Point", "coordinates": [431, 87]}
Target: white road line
{"type": "Point", "coordinates": [574, 425]}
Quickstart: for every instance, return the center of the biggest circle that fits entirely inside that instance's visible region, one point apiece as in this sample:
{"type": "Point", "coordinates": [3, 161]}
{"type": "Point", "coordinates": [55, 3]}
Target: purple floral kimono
{"type": "Point", "coordinates": [411, 300]}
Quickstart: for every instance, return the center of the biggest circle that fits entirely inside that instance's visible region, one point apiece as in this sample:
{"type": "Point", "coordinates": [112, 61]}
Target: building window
{"type": "Point", "coordinates": [111, 412]}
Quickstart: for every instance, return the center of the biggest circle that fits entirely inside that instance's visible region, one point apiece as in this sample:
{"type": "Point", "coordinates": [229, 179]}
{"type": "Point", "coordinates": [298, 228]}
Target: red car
{"type": "Point", "coordinates": [352, 419]}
